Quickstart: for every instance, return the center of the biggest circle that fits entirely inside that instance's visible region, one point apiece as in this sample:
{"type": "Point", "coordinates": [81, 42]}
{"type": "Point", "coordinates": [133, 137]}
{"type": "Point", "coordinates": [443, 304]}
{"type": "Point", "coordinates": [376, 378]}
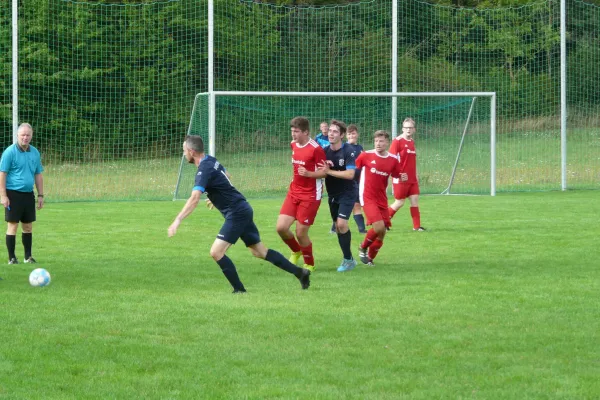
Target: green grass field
{"type": "Point", "coordinates": [499, 299]}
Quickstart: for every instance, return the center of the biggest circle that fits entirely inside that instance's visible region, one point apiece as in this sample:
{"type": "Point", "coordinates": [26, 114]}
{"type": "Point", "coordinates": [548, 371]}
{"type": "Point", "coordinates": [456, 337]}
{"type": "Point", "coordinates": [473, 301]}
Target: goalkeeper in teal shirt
{"type": "Point", "coordinates": [21, 169]}
{"type": "Point", "coordinates": [322, 138]}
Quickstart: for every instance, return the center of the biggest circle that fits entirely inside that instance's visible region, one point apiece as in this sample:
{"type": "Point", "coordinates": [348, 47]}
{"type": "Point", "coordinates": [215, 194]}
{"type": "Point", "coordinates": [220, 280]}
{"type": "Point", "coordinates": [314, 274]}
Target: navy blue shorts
{"type": "Point", "coordinates": [341, 207]}
{"type": "Point", "coordinates": [239, 224]}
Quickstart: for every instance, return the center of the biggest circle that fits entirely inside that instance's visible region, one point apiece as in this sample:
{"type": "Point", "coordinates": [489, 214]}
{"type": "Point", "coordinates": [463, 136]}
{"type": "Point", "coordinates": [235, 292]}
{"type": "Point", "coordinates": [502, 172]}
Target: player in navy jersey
{"type": "Point", "coordinates": [352, 140]}
{"type": "Point", "coordinates": [213, 180]}
{"type": "Point", "coordinates": [339, 167]}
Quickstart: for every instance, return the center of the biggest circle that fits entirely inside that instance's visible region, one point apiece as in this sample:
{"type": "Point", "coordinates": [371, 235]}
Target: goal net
{"type": "Point", "coordinates": [252, 135]}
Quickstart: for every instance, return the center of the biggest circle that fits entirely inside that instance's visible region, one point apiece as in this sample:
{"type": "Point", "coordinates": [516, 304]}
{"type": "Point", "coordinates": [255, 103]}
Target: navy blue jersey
{"type": "Point", "coordinates": [356, 150]}
{"type": "Point", "coordinates": [339, 160]}
{"type": "Point", "coordinates": [212, 180]}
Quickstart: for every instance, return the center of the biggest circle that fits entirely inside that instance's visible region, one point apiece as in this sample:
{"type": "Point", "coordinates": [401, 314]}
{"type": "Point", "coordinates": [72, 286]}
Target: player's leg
{"type": "Point", "coordinates": [395, 206]}
{"type": "Point", "coordinates": [373, 214]}
{"type": "Point", "coordinates": [414, 207]}
{"type": "Point", "coordinates": [358, 218]}
{"type": "Point", "coordinates": [399, 191]}
{"type": "Point", "coordinates": [374, 238]}
{"type": "Point", "coordinates": [230, 232]}
{"type": "Point", "coordinates": [12, 216]}
{"type": "Point", "coordinates": [287, 216]}
{"type": "Point", "coordinates": [344, 234]}
{"type": "Point", "coordinates": [217, 252]}
{"type": "Point", "coordinates": [332, 230]}
{"type": "Point", "coordinates": [27, 220]}
{"type": "Point", "coordinates": [259, 250]}
{"type": "Point", "coordinates": [27, 239]}
{"type": "Point", "coordinates": [380, 228]}
{"type": "Point", "coordinates": [11, 241]}
{"type": "Point", "coordinates": [307, 212]}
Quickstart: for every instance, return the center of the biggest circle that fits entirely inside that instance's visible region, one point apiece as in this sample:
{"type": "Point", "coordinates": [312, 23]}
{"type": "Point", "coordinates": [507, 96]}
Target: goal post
{"type": "Point", "coordinates": [249, 132]}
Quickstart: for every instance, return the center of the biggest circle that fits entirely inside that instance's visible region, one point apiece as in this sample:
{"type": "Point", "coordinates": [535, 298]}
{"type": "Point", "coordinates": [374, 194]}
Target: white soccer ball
{"type": "Point", "coordinates": [39, 277]}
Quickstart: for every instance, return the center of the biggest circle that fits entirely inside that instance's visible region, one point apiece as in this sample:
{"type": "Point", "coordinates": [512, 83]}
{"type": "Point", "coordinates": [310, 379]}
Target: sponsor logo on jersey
{"type": "Point", "coordinates": [374, 171]}
{"type": "Point", "coordinates": [409, 151]}
{"type": "Point", "coordinates": [373, 162]}
{"type": "Point", "coordinates": [341, 162]}
{"type": "Point", "coordinates": [299, 162]}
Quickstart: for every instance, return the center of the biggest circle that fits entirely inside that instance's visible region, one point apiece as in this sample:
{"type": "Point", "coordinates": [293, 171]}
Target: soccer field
{"type": "Point", "coordinates": [499, 299]}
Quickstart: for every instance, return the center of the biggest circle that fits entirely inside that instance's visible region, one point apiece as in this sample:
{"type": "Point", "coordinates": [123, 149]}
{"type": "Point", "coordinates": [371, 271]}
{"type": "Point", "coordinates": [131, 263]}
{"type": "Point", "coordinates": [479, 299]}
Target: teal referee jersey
{"type": "Point", "coordinates": [21, 167]}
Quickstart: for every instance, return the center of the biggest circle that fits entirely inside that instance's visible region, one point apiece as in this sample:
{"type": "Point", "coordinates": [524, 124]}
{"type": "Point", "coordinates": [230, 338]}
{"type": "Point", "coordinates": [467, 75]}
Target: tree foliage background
{"type": "Point", "coordinates": [80, 63]}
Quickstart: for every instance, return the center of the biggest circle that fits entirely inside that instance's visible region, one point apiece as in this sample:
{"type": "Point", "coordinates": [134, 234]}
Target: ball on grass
{"type": "Point", "coordinates": [39, 277]}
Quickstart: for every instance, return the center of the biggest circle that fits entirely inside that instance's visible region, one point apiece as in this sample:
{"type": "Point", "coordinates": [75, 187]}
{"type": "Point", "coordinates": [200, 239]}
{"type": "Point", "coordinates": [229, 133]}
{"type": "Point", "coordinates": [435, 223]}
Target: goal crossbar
{"type": "Point", "coordinates": [355, 94]}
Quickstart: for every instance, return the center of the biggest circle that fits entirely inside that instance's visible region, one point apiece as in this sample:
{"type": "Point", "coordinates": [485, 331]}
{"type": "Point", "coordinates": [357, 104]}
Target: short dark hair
{"type": "Point", "coordinates": [300, 123]}
{"type": "Point", "coordinates": [194, 142]}
{"type": "Point", "coordinates": [340, 125]}
{"type": "Point", "coordinates": [381, 133]}
{"type": "Point", "coordinates": [352, 128]}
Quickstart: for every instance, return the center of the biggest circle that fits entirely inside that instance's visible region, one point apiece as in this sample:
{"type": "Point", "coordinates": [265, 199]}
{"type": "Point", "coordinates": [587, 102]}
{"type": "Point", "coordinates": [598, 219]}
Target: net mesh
{"type": "Point", "coordinates": [5, 74]}
{"type": "Point", "coordinates": [109, 88]}
{"type": "Point", "coordinates": [253, 137]}
{"type": "Point", "coordinates": [583, 79]}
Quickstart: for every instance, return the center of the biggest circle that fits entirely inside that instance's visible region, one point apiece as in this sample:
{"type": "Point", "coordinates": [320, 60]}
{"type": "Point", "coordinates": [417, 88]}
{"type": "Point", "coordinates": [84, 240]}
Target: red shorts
{"type": "Point", "coordinates": [305, 211]}
{"type": "Point", "coordinates": [375, 213]}
{"type": "Point", "coordinates": [403, 190]}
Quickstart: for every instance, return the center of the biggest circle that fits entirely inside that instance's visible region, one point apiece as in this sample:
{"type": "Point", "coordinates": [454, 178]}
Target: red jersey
{"type": "Point", "coordinates": [307, 156]}
{"type": "Point", "coordinates": [374, 176]}
{"type": "Point", "coordinates": [405, 150]}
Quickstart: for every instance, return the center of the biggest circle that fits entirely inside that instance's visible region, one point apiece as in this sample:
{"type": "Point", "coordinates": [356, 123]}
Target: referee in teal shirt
{"type": "Point", "coordinates": [21, 168]}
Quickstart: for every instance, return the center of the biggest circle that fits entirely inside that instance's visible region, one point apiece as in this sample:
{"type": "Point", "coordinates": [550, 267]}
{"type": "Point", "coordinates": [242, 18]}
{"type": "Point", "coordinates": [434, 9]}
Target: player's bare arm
{"type": "Point", "coordinates": [5, 201]}
{"type": "Point", "coordinates": [188, 208]}
{"type": "Point", "coordinates": [311, 174]}
{"type": "Point", "coordinates": [39, 185]}
{"type": "Point", "coordinates": [347, 174]}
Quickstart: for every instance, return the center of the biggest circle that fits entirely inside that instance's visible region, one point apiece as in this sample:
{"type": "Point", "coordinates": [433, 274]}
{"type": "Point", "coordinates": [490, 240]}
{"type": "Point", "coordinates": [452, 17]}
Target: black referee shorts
{"type": "Point", "coordinates": [22, 207]}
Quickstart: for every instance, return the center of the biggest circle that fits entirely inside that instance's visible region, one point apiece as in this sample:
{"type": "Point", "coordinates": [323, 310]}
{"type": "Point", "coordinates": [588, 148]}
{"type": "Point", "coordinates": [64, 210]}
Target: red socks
{"type": "Point", "coordinates": [374, 249]}
{"type": "Point", "coordinates": [308, 254]}
{"type": "Point", "coordinates": [416, 217]}
{"type": "Point", "coordinates": [392, 212]}
{"type": "Point", "coordinates": [369, 239]}
{"type": "Point", "coordinates": [292, 244]}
